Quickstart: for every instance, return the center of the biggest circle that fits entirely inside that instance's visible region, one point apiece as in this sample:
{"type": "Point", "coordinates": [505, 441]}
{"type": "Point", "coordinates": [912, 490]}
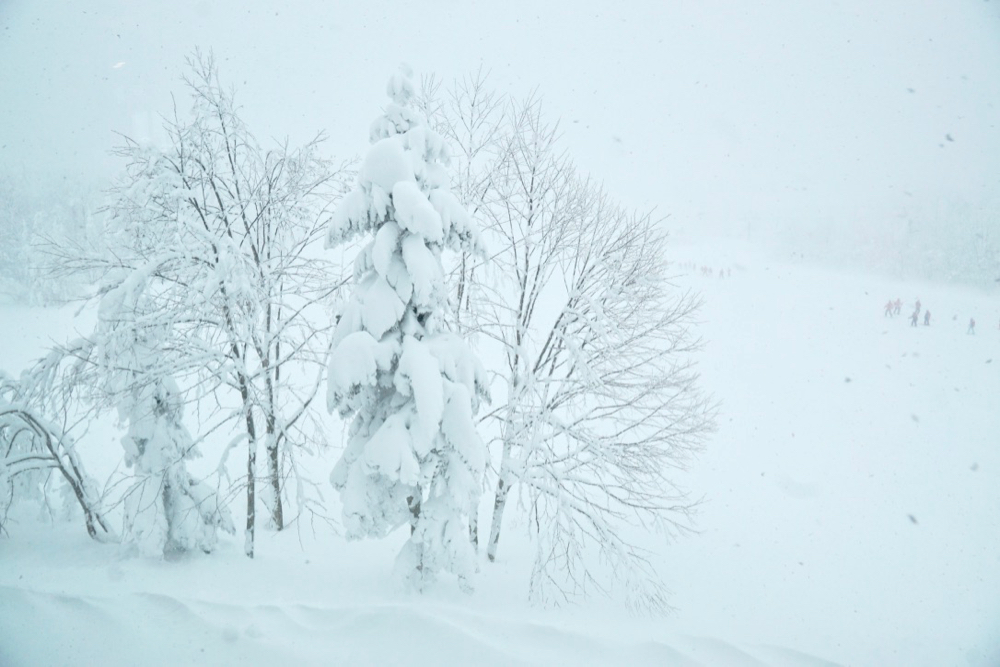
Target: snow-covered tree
{"type": "Point", "coordinates": [596, 404]}
{"type": "Point", "coordinates": [39, 463]}
{"type": "Point", "coordinates": [414, 456]}
{"type": "Point", "coordinates": [225, 235]}
{"type": "Point", "coordinates": [15, 239]}
{"type": "Point", "coordinates": [167, 511]}
{"type": "Point", "coordinates": [35, 214]}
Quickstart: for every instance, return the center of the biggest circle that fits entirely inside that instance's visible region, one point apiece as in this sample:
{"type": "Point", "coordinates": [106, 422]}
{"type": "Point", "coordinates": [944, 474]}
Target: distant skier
{"type": "Point", "coordinates": [888, 308]}
{"type": "Point", "coordinates": [898, 306]}
{"type": "Point", "coordinates": [927, 318]}
{"type": "Point", "coordinates": [972, 326]}
{"type": "Point", "coordinates": [914, 317]}
{"type": "Point", "coordinates": [918, 305]}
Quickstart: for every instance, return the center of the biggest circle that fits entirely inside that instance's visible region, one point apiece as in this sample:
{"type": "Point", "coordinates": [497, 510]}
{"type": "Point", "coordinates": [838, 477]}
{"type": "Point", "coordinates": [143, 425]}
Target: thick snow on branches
{"type": "Point", "coordinates": [414, 456]}
{"type": "Point", "coordinates": [222, 230]}
{"type": "Point", "coordinates": [166, 510]}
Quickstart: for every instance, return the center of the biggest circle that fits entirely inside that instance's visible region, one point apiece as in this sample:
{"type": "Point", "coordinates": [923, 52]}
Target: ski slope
{"type": "Point", "coordinates": [851, 489]}
{"type": "Point", "coordinates": [850, 516]}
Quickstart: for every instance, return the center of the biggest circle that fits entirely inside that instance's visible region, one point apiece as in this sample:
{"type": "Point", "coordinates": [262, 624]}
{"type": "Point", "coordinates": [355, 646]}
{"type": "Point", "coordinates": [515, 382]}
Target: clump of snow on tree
{"type": "Point", "coordinates": [414, 456]}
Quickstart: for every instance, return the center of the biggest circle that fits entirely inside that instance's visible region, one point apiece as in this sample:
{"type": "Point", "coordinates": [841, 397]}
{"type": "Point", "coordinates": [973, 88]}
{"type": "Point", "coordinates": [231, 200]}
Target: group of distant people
{"type": "Point", "coordinates": [708, 272]}
{"type": "Point", "coordinates": [705, 271]}
{"type": "Point", "coordinates": [893, 308]}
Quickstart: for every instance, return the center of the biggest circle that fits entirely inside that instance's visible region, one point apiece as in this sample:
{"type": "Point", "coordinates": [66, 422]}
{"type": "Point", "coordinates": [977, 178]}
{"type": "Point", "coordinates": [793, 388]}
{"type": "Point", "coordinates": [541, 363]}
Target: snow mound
{"type": "Point", "coordinates": [91, 629]}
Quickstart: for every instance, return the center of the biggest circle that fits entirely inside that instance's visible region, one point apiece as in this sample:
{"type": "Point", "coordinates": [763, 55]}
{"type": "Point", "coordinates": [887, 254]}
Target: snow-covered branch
{"type": "Point", "coordinates": [598, 402]}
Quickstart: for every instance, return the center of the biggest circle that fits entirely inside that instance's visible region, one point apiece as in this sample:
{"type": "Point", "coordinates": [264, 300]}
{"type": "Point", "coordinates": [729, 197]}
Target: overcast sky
{"type": "Point", "coordinates": [711, 111]}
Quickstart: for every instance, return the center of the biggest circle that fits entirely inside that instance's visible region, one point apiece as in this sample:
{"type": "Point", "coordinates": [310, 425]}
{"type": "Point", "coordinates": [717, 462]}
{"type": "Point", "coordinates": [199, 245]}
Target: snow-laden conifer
{"type": "Point", "coordinates": [413, 456]}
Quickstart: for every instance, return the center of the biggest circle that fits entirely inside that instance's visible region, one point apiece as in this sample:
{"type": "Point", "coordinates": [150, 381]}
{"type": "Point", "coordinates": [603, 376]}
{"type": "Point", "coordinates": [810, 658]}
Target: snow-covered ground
{"type": "Point", "coordinates": [852, 507]}
{"type": "Point", "coordinates": [851, 515]}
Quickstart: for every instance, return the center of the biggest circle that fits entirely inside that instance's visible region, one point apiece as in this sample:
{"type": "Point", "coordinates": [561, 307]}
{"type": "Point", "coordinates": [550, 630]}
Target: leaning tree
{"type": "Point", "coordinates": [39, 462]}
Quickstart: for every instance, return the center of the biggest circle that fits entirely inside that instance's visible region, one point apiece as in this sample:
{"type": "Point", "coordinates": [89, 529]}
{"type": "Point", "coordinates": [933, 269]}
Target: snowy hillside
{"type": "Point", "coordinates": [850, 516]}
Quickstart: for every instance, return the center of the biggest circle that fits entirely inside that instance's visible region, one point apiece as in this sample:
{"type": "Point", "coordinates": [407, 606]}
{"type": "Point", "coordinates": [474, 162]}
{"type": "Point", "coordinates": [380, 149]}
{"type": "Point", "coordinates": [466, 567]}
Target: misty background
{"type": "Point", "coordinates": [850, 132]}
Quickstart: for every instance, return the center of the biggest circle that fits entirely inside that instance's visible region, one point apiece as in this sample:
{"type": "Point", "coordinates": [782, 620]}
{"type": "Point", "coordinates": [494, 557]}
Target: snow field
{"type": "Point", "coordinates": [851, 489]}
{"type": "Point", "coordinates": [837, 425]}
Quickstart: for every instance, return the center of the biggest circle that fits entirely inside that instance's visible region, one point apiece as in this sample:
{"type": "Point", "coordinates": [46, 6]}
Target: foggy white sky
{"type": "Point", "coordinates": [720, 112]}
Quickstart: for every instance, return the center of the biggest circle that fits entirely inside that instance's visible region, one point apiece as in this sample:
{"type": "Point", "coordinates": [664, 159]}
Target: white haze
{"type": "Point", "coordinates": [851, 489]}
{"type": "Point", "coordinates": [827, 123]}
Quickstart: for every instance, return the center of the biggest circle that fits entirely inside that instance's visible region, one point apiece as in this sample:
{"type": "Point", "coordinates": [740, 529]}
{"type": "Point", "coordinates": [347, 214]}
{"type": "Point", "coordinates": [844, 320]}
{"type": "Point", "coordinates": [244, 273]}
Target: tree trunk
{"type": "Point", "coordinates": [474, 526]}
{"type": "Point", "coordinates": [271, 441]}
{"type": "Point", "coordinates": [503, 488]}
{"type": "Point", "coordinates": [251, 470]}
{"type": "Point", "coordinates": [251, 496]}
{"type": "Point", "coordinates": [274, 477]}
{"type": "Point", "coordinates": [414, 504]}
{"type": "Point", "coordinates": [461, 288]}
